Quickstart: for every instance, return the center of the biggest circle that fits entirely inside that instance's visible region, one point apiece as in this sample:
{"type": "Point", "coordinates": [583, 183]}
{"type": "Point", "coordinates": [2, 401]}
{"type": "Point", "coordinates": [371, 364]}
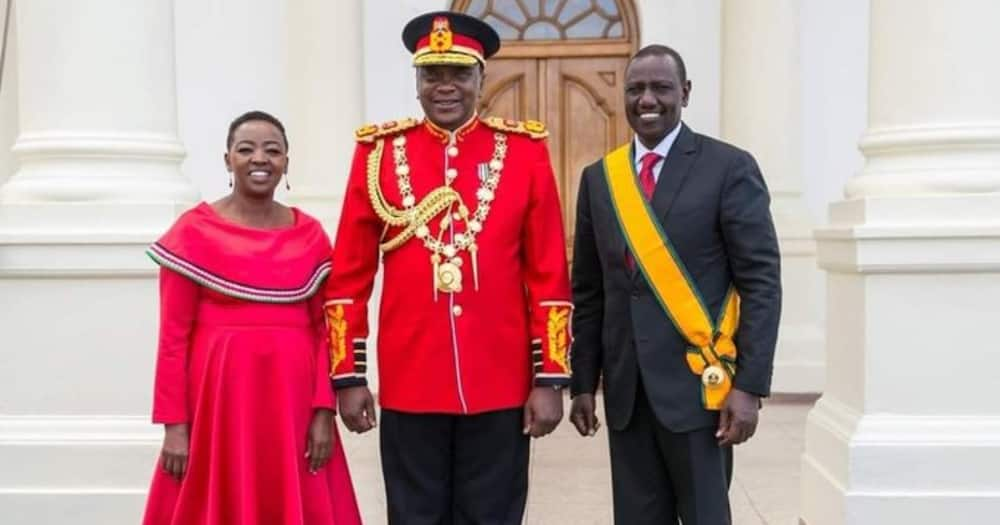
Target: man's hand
{"type": "Point", "coordinates": [320, 439]}
{"type": "Point", "coordinates": [357, 408]}
{"type": "Point", "coordinates": [738, 418]}
{"type": "Point", "coordinates": [175, 449]}
{"type": "Point", "coordinates": [543, 411]}
{"type": "Point", "coordinates": [583, 415]}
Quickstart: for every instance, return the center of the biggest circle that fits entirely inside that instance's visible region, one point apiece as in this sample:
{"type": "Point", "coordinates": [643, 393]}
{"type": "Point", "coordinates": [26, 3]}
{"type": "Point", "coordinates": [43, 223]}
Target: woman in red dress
{"type": "Point", "coordinates": [242, 373]}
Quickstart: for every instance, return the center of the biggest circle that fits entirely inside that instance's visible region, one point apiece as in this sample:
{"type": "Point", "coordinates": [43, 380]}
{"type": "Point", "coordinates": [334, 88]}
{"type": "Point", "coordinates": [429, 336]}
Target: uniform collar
{"type": "Point", "coordinates": [444, 135]}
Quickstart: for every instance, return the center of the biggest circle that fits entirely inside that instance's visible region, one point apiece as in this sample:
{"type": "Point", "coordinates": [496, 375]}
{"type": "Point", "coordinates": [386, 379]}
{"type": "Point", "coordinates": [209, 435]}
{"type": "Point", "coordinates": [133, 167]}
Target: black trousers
{"type": "Point", "coordinates": [659, 476]}
{"type": "Point", "coordinates": [442, 469]}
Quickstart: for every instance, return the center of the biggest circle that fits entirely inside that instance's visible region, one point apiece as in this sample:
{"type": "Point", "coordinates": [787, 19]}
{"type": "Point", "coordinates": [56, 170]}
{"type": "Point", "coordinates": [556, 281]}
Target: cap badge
{"type": "Point", "coordinates": [440, 37]}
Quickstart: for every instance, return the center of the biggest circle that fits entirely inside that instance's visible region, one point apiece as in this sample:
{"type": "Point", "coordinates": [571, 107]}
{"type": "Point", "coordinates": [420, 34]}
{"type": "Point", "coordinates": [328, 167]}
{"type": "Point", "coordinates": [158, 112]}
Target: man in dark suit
{"type": "Point", "coordinates": [671, 457]}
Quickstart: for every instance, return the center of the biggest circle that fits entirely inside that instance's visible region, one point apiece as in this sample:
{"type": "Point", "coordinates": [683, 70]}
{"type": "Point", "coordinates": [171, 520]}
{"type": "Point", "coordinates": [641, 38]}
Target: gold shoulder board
{"type": "Point", "coordinates": [531, 128]}
{"type": "Point", "coordinates": [371, 132]}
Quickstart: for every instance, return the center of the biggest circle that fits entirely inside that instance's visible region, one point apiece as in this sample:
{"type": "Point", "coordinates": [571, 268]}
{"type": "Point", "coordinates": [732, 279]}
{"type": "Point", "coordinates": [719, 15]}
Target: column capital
{"type": "Point", "coordinates": [98, 152]}
{"type": "Point", "coordinates": [954, 158]}
{"type": "Point", "coordinates": [933, 117]}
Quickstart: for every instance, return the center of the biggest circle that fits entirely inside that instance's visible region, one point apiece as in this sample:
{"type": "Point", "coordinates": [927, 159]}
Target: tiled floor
{"type": "Point", "coordinates": [571, 483]}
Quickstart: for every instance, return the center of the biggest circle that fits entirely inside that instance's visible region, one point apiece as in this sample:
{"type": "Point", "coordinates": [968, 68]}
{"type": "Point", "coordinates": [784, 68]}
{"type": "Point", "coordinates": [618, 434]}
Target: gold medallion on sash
{"type": "Point", "coordinates": [712, 354]}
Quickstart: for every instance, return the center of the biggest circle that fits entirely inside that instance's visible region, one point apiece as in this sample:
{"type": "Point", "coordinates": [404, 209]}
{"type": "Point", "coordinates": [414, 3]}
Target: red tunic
{"type": "Point", "coordinates": [243, 360]}
{"type": "Point", "coordinates": [475, 350]}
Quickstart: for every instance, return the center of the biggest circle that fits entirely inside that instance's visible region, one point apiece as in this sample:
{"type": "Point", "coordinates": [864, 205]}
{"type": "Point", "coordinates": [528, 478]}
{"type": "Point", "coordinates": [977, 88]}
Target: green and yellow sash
{"type": "Point", "coordinates": [712, 354]}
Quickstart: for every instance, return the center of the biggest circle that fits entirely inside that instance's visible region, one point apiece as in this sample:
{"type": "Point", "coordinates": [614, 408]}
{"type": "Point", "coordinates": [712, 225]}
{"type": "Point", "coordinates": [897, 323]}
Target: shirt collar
{"type": "Point", "coordinates": [661, 149]}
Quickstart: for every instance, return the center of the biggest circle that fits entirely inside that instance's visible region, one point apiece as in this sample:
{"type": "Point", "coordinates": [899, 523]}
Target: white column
{"type": "Point", "coordinates": [694, 29]}
{"type": "Point", "coordinates": [8, 104]}
{"type": "Point", "coordinates": [326, 104]}
{"type": "Point", "coordinates": [908, 430]}
{"type": "Point", "coordinates": [98, 179]}
{"type": "Point", "coordinates": [762, 113]}
{"type": "Point", "coordinates": [98, 147]}
{"type": "Point", "coordinates": [390, 83]}
{"type": "Point", "coordinates": [326, 101]}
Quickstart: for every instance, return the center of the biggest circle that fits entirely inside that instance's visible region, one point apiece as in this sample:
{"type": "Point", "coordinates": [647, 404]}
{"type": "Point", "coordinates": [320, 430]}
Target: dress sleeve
{"type": "Point", "coordinates": [545, 276]}
{"type": "Point", "coordinates": [178, 308]}
{"type": "Point", "coordinates": [323, 396]}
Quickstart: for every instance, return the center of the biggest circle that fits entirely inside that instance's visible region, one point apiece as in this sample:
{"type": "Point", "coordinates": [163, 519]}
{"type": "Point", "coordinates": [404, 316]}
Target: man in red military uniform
{"type": "Point", "coordinates": [473, 337]}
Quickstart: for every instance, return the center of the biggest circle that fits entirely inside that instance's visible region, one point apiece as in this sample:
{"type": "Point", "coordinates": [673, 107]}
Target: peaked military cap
{"type": "Point", "coordinates": [450, 38]}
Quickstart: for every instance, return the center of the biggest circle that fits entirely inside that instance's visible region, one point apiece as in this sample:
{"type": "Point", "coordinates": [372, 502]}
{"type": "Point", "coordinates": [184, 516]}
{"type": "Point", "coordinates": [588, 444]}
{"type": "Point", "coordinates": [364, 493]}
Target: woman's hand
{"type": "Point", "coordinates": [320, 439]}
{"type": "Point", "coordinates": [175, 449]}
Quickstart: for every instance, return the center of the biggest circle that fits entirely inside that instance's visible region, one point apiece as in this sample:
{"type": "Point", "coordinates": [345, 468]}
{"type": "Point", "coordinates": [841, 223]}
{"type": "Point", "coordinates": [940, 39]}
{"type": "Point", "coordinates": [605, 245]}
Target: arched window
{"type": "Point", "coordinates": [581, 27]}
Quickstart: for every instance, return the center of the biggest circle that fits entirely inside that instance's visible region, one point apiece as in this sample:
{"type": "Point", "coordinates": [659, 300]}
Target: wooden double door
{"type": "Point", "coordinates": [580, 100]}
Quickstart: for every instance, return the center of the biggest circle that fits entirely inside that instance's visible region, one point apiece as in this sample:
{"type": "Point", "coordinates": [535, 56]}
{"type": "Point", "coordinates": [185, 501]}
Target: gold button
{"type": "Point", "coordinates": [456, 310]}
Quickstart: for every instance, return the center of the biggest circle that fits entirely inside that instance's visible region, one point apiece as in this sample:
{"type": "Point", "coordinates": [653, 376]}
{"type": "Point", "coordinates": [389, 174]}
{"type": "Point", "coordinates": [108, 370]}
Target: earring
{"type": "Point", "coordinates": [230, 179]}
{"type": "Point", "coordinates": [287, 185]}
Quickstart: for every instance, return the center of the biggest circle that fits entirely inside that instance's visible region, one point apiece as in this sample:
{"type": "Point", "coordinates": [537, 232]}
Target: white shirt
{"type": "Point", "coordinates": [661, 149]}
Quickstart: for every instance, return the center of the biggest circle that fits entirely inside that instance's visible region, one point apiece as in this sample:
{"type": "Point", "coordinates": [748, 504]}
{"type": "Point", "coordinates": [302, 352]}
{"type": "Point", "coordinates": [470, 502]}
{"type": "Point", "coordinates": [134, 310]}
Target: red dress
{"type": "Point", "coordinates": [243, 360]}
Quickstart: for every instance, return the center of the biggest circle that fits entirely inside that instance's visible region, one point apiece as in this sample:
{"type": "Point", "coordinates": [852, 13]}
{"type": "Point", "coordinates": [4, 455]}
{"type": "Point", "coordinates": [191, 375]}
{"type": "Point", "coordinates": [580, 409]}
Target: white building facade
{"type": "Point", "coordinates": [113, 115]}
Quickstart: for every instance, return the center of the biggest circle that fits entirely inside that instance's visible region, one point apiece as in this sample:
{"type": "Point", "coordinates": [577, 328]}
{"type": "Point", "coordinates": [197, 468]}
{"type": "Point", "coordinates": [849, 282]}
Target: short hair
{"type": "Point", "coordinates": [251, 116]}
{"type": "Point", "coordinates": [660, 50]}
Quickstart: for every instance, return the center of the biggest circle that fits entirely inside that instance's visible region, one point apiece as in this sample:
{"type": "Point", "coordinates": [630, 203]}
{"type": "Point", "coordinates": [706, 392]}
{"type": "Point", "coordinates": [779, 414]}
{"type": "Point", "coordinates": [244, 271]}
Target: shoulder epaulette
{"type": "Point", "coordinates": [370, 132]}
{"type": "Point", "coordinates": [531, 128]}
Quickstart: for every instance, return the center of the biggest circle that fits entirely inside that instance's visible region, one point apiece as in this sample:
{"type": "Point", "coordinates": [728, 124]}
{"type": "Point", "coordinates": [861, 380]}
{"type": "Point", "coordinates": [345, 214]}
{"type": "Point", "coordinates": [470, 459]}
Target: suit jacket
{"type": "Point", "coordinates": [713, 204]}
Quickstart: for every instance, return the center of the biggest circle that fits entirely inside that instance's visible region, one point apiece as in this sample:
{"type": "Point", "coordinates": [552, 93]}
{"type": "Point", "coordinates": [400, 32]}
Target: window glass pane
{"type": "Point", "coordinates": [573, 8]}
{"type": "Point", "coordinates": [590, 27]}
{"type": "Point", "coordinates": [550, 7]}
{"type": "Point", "coordinates": [533, 19]}
{"type": "Point", "coordinates": [505, 31]}
{"type": "Point", "coordinates": [477, 8]}
{"type": "Point", "coordinates": [532, 6]}
{"type": "Point", "coordinates": [510, 10]}
{"type": "Point", "coordinates": [542, 31]}
{"type": "Point", "coordinates": [616, 31]}
{"type": "Point", "coordinates": [609, 7]}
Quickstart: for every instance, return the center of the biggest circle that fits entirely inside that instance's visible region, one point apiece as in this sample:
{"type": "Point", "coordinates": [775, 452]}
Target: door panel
{"type": "Point", "coordinates": [579, 99]}
{"type": "Point", "coordinates": [585, 114]}
{"type": "Point", "coordinates": [511, 89]}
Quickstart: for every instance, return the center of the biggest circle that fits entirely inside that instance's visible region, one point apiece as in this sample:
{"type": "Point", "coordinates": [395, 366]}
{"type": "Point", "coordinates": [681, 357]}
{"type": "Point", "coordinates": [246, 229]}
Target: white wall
{"type": "Point", "coordinates": [231, 58]}
{"type": "Point", "coordinates": [8, 105]}
{"type": "Point", "coordinates": [694, 29]}
{"type": "Point", "coordinates": [390, 83]}
{"type": "Point", "coordinates": [834, 40]}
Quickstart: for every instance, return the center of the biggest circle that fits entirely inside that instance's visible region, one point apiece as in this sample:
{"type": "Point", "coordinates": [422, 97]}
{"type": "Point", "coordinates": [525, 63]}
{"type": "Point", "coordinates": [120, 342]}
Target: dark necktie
{"type": "Point", "coordinates": [648, 184]}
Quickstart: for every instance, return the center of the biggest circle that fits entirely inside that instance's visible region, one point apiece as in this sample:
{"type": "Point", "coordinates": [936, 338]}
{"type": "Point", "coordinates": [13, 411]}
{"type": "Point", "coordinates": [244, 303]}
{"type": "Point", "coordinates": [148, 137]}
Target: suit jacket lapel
{"type": "Point", "coordinates": [674, 172]}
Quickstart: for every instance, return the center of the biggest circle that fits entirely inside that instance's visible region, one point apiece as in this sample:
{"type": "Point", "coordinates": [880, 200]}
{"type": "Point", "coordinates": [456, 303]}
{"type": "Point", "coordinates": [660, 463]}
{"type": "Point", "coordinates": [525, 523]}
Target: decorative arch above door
{"type": "Point", "coordinates": [561, 62]}
{"type": "Point", "coordinates": [558, 28]}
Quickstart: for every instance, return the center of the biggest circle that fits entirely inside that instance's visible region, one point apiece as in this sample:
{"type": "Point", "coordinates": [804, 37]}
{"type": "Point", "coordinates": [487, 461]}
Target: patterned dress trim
{"type": "Point", "coordinates": [167, 259]}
